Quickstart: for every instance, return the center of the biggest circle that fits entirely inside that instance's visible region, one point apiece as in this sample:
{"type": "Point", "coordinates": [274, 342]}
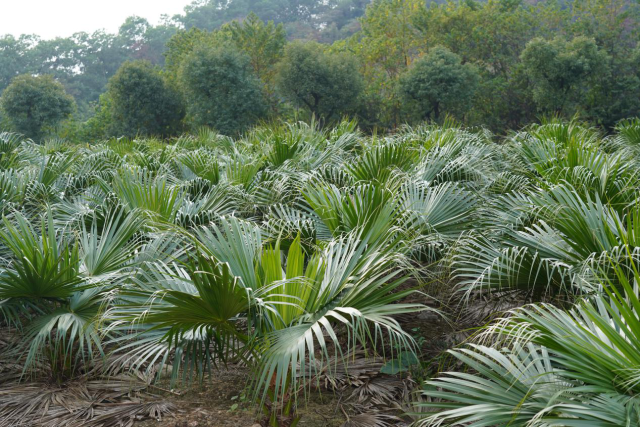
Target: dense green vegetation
{"type": "Point", "coordinates": [141, 102]}
{"type": "Point", "coordinates": [293, 246]}
{"type": "Point", "coordinates": [183, 197]}
{"type": "Point", "coordinates": [501, 64]}
{"type": "Point", "coordinates": [35, 105]}
{"type": "Point", "coordinates": [223, 92]}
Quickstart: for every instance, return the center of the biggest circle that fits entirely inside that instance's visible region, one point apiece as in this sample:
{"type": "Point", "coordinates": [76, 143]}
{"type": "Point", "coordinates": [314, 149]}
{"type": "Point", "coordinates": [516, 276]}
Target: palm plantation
{"type": "Point", "coordinates": [297, 251]}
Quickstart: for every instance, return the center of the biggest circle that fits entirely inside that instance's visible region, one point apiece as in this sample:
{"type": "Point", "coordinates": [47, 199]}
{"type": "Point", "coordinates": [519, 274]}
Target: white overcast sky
{"type": "Point", "coordinates": [61, 18]}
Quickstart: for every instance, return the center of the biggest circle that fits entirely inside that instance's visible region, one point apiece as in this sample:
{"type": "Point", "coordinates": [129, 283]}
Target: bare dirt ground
{"type": "Point", "coordinates": [220, 401]}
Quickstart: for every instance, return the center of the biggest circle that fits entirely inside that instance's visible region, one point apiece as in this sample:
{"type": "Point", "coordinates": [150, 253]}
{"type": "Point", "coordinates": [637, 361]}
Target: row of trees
{"type": "Point", "coordinates": [501, 64]}
{"type": "Point", "coordinates": [228, 79]}
{"type": "Point", "coordinates": [84, 62]}
{"type": "Point", "coordinates": [545, 58]}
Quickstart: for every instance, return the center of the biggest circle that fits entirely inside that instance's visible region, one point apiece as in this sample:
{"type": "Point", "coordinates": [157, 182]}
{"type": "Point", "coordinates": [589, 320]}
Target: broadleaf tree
{"type": "Point", "coordinates": [35, 105]}
{"type": "Point", "coordinates": [221, 89]}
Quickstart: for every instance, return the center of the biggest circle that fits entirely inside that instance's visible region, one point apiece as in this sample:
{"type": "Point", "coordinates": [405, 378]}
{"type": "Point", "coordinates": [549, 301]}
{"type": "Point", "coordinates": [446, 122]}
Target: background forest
{"type": "Point", "coordinates": [230, 65]}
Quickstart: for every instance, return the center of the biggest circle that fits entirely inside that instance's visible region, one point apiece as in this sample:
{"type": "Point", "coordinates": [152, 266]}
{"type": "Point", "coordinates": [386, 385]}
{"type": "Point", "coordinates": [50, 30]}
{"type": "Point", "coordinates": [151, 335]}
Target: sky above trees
{"type": "Point", "coordinates": [62, 18]}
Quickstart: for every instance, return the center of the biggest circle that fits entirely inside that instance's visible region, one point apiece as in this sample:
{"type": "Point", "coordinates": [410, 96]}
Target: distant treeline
{"type": "Point", "coordinates": [230, 65]}
{"type": "Point", "coordinates": [84, 62]}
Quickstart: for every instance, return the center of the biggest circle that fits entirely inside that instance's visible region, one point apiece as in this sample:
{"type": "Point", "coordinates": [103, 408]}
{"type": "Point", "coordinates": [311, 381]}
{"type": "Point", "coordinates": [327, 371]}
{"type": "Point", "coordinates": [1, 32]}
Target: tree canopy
{"type": "Point", "coordinates": [562, 72]}
{"type": "Point", "coordinates": [362, 58]}
{"type": "Point", "coordinates": [439, 83]}
{"type": "Point", "coordinates": [326, 84]}
{"type": "Point", "coordinates": [142, 102]}
{"type": "Point", "coordinates": [221, 90]}
{"type": "Point", "coordinates": [35, 105]}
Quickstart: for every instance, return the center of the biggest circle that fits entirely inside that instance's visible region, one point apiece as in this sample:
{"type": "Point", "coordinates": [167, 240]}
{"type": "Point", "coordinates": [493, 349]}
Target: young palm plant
{"type": "Point", "coordinates": [547, 366]}
{"type": "Point", "coordinates": [52, 287]}
{"type": "Point", "coordinates": [280, 309]}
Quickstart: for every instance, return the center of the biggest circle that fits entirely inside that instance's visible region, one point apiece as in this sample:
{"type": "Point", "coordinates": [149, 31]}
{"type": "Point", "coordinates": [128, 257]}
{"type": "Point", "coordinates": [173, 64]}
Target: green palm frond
{"type": "Point", "coordinates": [556, 253]}
{"type": "Point", "coordinates": [462, 160]}
{"type": "Point", "coordinates": [349, 283]}
{"type": "Point", "coordinates": [66, 338]}
{"type": "Point", "coordinates": [445, 209]}
{"type": "Point", "coordinates": [53, 166]}
{"type": "Point", "coordinates": [201, 163]}
{"type": "Point", "coordinates": [549, 366]}
{"type": "Point", "coordinates": [157, 197]}
{"type": "Point", "coordinates": [42, 264]}
{"type": "Point", "coordinates": [13, 187]}
{"type": "Point", "coordinates": [105, 253]}
{"type": "Point", "coordinates": [235, 242]}
{"type": "Point", "coordinates": [293, 245]}
{"type": "Point", "coordinates": [367, 206]}
{"type": "Point", "coordinates": [218, 201]}
{"type": "Point", "coordinates": [379, 163]}
{"type": "Point", "coordinates": [9, 143]}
